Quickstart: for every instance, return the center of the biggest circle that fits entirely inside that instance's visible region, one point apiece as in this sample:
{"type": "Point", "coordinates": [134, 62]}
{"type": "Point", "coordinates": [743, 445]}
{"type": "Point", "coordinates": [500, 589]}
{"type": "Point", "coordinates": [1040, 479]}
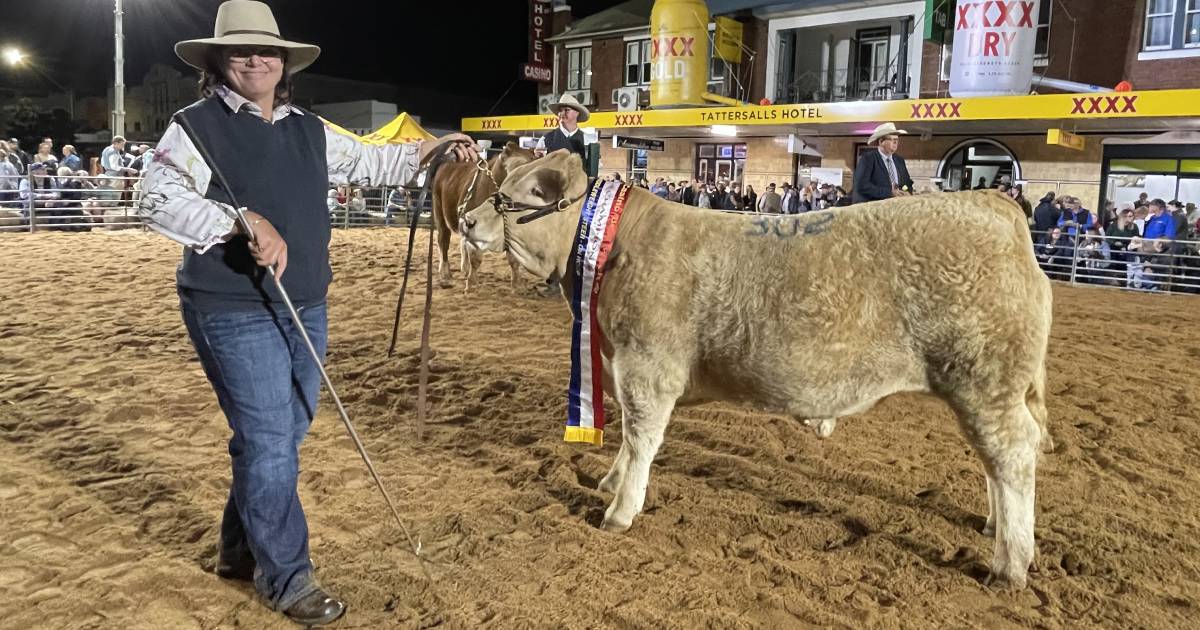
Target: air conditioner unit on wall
{"type": "Point", "coordinates": [544, 102]}
{"type": "Point", "coordinates": [625, 98]}
{"type": "Point", "coordinates": [583, 96]}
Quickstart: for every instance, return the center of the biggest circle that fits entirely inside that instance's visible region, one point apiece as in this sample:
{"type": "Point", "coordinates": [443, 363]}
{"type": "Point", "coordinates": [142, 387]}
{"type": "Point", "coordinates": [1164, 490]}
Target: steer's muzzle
{"type": "Point", "coordinates": [483, 227]}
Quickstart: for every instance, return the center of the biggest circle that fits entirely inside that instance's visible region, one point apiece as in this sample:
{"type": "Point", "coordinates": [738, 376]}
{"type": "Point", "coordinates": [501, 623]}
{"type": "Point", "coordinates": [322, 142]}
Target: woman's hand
{"type": "Point", "coordinates": [268, 247]}
{"type": "Point", "coordinates": [461, 145]}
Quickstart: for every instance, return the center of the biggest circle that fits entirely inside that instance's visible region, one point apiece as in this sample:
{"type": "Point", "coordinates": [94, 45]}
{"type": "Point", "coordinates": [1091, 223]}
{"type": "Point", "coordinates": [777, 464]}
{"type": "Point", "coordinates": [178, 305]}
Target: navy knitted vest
{"type": "Point", "coordinates": [556, 140]}
{"type": "Point", "coordinates": [279, 171]}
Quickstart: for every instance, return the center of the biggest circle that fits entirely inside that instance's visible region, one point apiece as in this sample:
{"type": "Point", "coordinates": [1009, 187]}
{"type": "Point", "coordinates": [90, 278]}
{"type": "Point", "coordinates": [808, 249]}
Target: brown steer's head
{"type": "Point", "coordinates": [556, 181]}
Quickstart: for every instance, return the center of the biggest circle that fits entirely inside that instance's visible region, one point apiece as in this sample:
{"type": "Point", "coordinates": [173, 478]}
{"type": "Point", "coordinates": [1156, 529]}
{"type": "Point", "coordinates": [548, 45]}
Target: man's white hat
{"type": "Point", "coordinates": [246, 23]}
{"type": "Point", "coordinates": [884, 130]}
{"type": "Point", "coordinates": [570, 101]}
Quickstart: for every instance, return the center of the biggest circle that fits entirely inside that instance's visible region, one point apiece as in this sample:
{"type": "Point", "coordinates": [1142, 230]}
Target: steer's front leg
{"type": "Point", "coordinates": [646, 405]}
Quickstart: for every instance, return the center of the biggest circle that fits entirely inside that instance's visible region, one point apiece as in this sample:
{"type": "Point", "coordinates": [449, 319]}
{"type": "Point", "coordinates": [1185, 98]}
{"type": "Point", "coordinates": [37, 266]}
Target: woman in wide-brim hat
{"type": "Point", "coordinates": [278, 160]}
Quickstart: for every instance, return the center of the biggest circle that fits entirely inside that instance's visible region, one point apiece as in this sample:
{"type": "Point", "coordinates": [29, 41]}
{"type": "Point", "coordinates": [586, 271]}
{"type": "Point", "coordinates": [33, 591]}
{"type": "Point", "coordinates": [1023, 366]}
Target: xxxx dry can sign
{"type": "Point", "coordinates": [993, 47]}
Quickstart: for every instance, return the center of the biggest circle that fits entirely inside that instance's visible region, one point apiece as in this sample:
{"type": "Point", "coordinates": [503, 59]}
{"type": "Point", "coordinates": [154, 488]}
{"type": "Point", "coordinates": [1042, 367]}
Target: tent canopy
{"type": "Point", "coordinates": [401, 130]}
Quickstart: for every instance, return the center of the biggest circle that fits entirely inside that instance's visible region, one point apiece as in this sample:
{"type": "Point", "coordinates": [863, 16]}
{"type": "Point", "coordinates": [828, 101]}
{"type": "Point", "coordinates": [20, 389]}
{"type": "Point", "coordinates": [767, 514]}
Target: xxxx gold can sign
{"type": "Point", "coordinates": [678, 53]}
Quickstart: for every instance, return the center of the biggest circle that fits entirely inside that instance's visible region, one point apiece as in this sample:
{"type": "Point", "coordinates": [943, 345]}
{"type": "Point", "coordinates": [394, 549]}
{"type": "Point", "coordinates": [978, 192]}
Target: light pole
{"type": "Point", "coordinates": [118, 120]}
{"type": "Point", "coordinates": [15, 57]}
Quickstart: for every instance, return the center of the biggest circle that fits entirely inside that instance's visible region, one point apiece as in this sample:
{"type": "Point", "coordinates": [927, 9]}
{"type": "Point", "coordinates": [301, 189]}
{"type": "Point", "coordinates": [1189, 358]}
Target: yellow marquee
{"type": "Point", "coordinates": [401, 130]}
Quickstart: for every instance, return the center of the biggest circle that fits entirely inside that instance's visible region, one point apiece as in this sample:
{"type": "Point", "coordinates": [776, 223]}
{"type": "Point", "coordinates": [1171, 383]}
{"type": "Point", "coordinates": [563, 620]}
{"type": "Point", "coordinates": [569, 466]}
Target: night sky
{"type": "Point", "coordinates": [466, 49]}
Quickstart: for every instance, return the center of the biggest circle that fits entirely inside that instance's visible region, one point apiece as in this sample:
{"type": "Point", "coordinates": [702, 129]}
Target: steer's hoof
{"type": "Point", "coordinates": [823, 428]}
{"type": "Point", "coordinates": [1010, 584]}
{"type": "Point", "coordinates": [614, 526]}
{"type": "Point", "coordinates": [445, 283]}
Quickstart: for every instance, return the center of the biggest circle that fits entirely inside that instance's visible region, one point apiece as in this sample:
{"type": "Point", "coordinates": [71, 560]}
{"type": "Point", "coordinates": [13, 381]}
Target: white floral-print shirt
{"type": "Point", "coordinates": [173, 202]}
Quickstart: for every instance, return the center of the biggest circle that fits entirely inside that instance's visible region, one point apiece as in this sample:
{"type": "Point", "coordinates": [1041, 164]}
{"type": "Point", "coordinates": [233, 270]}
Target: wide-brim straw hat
{"type": "Point", "coordinates": [246, 23]}
{"type": "Point", "coordinates": [569, 101]}
{"type": "Point", "coordinates": [884, 130]}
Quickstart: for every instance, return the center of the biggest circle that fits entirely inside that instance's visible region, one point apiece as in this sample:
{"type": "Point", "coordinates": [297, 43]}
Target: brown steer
{"type": "Point", "coordinates": [449, 187]}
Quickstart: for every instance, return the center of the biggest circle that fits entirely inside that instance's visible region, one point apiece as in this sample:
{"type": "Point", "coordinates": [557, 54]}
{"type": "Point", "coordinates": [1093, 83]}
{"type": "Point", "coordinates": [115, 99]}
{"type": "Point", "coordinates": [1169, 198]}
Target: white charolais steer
{"type": "Point", "coordinates": [818, 315]}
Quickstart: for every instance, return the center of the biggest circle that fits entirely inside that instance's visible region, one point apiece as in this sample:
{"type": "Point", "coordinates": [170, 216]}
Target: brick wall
{"type": "Point", "coordinates": [1156, 74]}
{"type": "Point", "coordinates": [608, 71]}
{"type": "Point", "coordinates": [754, 36]}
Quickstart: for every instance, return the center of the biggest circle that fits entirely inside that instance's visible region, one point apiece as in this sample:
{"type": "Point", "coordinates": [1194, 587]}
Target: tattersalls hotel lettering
{"type": "Point", "coordinates": [811, 112]}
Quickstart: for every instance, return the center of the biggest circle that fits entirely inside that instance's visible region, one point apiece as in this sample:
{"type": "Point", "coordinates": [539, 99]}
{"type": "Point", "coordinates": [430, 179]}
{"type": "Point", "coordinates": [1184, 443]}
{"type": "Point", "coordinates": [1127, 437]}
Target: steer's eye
{"type": "Point", "coordinates": [536, 192]}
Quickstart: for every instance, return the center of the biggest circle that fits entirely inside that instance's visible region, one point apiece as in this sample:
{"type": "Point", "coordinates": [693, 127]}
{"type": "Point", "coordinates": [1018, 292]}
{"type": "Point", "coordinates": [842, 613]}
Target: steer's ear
{"type": "Point", "coordinates": [557, 176]}
{"type": "Point", "coordinates": [509, 147]}
{"type": "Point", "coordinates": [574, 177]}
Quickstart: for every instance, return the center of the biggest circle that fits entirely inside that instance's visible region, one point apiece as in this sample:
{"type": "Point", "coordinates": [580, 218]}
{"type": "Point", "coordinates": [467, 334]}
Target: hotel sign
{"type": "Point", "coordinates": [645, 144]}
{"type": "Point", "coordinates": [538, 68]}
{"type": "Point", "coordinates": [937, 19]}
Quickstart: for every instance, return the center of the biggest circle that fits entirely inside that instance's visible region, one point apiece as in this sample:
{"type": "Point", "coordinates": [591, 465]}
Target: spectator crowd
{"type": "Point", "coordinates": [1149, 244]}
{"type": "Point", "coordinates": [58, 187]}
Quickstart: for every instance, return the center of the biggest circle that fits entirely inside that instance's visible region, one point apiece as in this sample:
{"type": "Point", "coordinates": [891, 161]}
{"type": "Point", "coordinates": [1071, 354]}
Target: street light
{"type": "Point", "coordinates": [13, 56]}
{"type": "Point", "coordinates": [118, 120]}
{"type": "Point", "coordinates": [17, 57]}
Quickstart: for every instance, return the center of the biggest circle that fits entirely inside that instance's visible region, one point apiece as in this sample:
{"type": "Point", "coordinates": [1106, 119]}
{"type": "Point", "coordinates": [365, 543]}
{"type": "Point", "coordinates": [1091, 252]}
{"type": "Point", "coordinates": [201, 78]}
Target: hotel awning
{"type": "Point", "coordinates": [1148, 111]}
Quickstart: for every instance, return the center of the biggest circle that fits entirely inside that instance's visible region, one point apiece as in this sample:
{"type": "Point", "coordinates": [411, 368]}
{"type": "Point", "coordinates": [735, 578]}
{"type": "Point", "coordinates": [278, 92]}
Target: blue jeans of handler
{"type": "Point", "coordinates": [267, 385]}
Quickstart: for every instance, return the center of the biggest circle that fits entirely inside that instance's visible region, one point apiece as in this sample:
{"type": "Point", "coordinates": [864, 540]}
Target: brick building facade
{"type": "Point", "coordinates": [814, 52]}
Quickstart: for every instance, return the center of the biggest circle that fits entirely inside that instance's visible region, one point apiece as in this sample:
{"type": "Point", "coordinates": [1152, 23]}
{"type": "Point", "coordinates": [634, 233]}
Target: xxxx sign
{"type": "Point", "coordinates": [994, 42]}
{"type": "Point", "coordinates": [936, 110]}
{"type": "Point", "coordinates": [1104, 105]}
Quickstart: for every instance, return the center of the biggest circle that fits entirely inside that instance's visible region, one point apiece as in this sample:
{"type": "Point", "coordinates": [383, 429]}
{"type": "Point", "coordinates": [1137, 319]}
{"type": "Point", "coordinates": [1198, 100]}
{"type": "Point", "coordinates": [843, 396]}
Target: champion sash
{"type": "Point", "coordinates": [597, 229]}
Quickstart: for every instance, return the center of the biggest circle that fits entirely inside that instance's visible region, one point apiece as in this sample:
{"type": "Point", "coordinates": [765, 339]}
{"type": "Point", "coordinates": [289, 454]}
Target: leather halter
{"type": "Point", "coordinates": [504, 204]}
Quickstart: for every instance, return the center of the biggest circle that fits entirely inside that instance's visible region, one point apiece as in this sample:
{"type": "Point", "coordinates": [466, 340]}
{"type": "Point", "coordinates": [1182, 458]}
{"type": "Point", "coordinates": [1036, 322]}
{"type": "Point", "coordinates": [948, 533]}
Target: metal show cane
{"type": "Point", "coordinates": [416, 547]}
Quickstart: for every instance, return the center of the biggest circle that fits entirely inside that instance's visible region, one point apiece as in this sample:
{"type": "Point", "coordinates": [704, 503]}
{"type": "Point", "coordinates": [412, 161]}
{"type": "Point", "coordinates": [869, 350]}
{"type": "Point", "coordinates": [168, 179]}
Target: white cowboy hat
{"type": "Point", "coordinates": [246, 23]}
{"type": "Point", "coordinates": [886, 129]}
{"type": "Point", "coordinates": [570, 101]}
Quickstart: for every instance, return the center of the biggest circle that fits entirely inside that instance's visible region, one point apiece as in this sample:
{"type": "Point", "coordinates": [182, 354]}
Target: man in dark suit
{"type": "Point", "coordinates": [881, 174]}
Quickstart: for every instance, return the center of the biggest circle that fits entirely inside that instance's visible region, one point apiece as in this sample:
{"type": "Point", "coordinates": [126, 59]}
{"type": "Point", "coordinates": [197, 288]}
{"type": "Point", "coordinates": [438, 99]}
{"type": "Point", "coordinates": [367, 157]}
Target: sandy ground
{"type": "Point", "coordinates": [113, 472]}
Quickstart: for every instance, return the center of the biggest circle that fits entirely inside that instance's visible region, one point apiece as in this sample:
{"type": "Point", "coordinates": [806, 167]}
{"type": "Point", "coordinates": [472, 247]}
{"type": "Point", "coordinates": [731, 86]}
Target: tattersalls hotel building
{"type": "Point", "coordinates": [788, 91]}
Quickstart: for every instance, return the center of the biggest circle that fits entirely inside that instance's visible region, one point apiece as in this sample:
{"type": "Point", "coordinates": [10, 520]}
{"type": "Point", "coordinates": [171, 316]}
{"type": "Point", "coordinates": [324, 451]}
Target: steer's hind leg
{"type": "Point", "coordinates": [989, 528]}
{"type": "Point", "coordinates": [647, 395]}
{"type": "Point", "coordinates": [1007, 442]}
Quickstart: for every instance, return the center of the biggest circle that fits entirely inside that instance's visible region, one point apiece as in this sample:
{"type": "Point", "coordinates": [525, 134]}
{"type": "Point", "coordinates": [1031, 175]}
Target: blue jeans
{"type": "Point", "coordinates": [267, 385]}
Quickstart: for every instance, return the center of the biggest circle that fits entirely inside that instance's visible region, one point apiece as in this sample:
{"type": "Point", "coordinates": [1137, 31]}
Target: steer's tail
{"type": "Point", "coordinates": [1035, 400]}
{"type": "Point", "coordinates": [1035, 397]}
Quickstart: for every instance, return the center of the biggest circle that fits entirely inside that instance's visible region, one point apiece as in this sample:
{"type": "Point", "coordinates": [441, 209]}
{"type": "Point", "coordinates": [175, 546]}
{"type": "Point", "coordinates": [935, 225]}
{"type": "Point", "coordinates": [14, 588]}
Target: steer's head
{"type": "Point", "coordinates": [556, 181]}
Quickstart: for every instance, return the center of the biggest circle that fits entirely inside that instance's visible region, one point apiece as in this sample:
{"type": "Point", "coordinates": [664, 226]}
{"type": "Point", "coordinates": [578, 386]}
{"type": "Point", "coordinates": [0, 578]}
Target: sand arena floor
{"type": "Point", "coordinates": [113, 472]}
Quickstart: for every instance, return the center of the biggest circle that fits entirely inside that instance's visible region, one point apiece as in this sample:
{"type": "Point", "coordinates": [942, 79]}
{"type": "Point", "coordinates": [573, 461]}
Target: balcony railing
{"type": "Point", "coordinates": [815, 86]}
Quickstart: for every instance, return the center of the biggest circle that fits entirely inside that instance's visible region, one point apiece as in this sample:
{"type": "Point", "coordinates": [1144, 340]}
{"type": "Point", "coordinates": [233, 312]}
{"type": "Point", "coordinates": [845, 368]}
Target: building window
{"type": "Point", "coordinates": [1041, 49]}
{"type": "Point", "coordinates": [579, 68]}
{"type": "Point", "coordinates": [639, 160]}
{"type": "Point", "coordinates": [637, 62]}
{"type": "Point", "coordinates": [1191, 24]}
{"type": "Point", "coordinates": [1160, 22]}
{"type": "Point", "coordinates": [717, 163]}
